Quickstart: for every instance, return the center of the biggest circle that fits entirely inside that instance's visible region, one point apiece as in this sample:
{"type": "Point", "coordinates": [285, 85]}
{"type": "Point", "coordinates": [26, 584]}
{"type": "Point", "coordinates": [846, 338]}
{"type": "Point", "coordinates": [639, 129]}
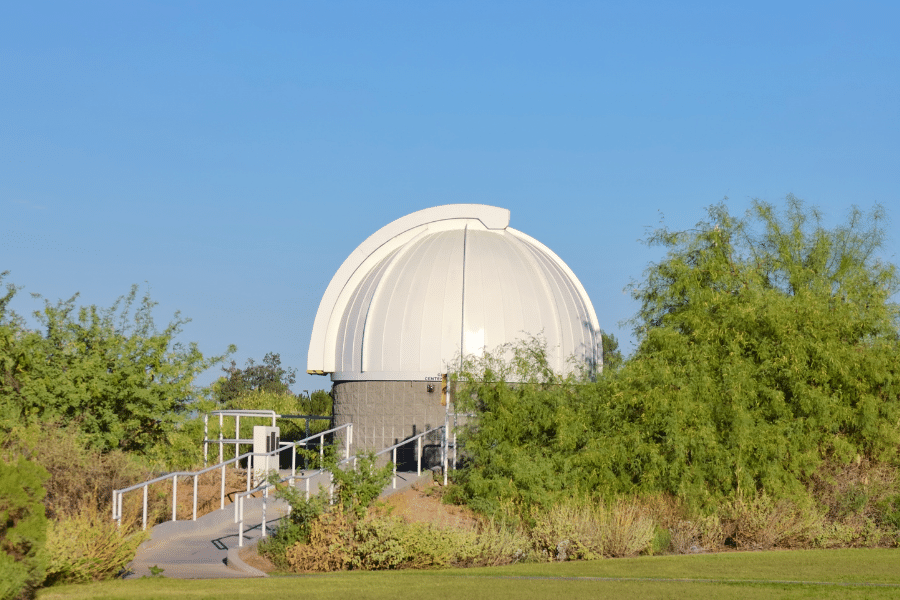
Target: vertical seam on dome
{"type": "Point", "coordinates": [462, 319]}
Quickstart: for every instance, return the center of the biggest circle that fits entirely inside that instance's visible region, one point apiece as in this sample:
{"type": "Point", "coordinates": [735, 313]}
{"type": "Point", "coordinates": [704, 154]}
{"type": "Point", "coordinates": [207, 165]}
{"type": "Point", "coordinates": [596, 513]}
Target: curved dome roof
{"type": "Point", "coordinates": [442, 282]}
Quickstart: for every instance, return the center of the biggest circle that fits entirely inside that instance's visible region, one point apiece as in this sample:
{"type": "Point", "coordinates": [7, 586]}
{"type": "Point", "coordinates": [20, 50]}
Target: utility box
{"type": "Point", "coordinates": [265, 440]}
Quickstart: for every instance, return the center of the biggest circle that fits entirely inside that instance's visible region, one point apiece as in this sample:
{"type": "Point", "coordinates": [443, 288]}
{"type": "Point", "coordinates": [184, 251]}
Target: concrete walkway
{"type": "Point", "coordinates": [208, 547]}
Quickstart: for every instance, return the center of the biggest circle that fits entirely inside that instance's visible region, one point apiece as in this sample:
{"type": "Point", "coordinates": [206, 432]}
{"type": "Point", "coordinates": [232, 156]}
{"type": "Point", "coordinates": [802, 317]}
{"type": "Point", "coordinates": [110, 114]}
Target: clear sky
{"type": "Point", "coordinates": [230, 155]}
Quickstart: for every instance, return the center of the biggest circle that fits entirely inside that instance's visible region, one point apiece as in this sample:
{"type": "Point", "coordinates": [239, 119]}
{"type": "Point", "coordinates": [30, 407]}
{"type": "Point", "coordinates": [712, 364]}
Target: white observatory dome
{"type": "Point", "coordinates": [443, 282]}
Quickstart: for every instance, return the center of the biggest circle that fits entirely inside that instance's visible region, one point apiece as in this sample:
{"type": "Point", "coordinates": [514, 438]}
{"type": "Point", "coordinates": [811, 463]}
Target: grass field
{"type": "Point", "coordinates": [796, 574]}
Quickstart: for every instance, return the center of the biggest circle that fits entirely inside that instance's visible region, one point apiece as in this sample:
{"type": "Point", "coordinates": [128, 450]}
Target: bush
{"type": "Point", "coordinates": [339, 541]}
{"type": "Point", "coordinates": [78, 475]}
{"type": "Point", "coordinates": [23, 528]}
{"type": "Point", "coordinates": [86, 545]}
{"type": "Point", "coordinates": [359, 486]}
{"type": "Point", "coordinates": [764, 522]}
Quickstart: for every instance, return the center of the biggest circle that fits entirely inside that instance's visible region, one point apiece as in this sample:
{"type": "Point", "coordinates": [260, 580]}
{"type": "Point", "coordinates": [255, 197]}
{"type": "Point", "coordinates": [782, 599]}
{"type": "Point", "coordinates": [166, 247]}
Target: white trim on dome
{"type": "Point", "coordinates": [376, 247]}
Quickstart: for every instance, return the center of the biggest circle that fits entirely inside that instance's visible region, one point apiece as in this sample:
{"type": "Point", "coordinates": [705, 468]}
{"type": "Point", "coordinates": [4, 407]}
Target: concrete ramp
{"type": "Point", "coordinates": [208, 547]}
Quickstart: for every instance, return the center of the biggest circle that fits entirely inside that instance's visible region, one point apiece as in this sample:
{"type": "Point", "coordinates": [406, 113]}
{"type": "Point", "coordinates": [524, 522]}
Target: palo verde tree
{"type": "Point", "coordinates": [110, 372]}
{"type": "Point", "coordinates": [766, 344]}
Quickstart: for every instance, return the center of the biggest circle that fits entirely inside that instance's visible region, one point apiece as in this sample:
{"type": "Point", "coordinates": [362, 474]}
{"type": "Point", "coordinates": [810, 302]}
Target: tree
{"type": "Point", "coordinates": [766, 345]}
{"type": "Point", "coordinates": [124, 383]}
{"type": "Point", "coordinates": [612, 356]}
{"type": "Point", "coordinates": [269, 376]}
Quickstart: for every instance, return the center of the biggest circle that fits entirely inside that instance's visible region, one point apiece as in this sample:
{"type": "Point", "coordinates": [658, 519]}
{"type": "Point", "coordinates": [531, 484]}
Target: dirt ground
{"type": "Point", "coordinates": [418, 504]}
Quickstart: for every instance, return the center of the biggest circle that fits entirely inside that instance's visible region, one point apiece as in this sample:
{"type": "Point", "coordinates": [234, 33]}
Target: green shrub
{"type": "Point", "coordinates": [360, 485]}
{"type": "Point", "coordinates": [295, 528]}
{"type": "Point", "coordinates": [23, 528]}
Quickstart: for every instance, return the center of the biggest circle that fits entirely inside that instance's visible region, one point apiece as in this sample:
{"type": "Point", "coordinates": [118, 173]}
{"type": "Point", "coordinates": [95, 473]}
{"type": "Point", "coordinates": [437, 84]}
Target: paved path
{"type": "Point", "coordinates": [208, 547]}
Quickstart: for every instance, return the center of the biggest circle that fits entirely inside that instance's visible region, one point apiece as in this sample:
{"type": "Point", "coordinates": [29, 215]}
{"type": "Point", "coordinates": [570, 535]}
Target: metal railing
{"type": "Point", "coordinates": [418, 439]}
{"type": "Point", "coordinates": [237, 441]}
{"type": "Point", "coordinates": [118, 494]}
{"type": "Point", "coordinates": [266, 486]}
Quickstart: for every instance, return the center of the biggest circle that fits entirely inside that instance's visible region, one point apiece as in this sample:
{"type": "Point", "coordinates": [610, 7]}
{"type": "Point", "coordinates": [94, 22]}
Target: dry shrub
{"type": "Point", "coordinates": [380, 541]}
{"type": "Point", "coordinates": [330, 545]}
{"type": "Point", "coordinates": [575, 531]}
{"type": "Point", "coordinates": [570, 531]}
{"type": "Point", "coordinates": [857, 499]}
{"type": "Point", "coordinates": [852, 489]}
{"type": "Point", "coordinates": [713, 533]}
{"type": "Point", "coordinates": [78, 474]}
{"type": "Point", "coordinates": [685, 537]}
{"type": "Point", "coordinates": [630, 529]}
{"type": "Point", "coordinates": [86, 545]}
{"type": "Point", "coordinates": [764, 523]}
{"type": "Point", "coordinates": [499, 544]}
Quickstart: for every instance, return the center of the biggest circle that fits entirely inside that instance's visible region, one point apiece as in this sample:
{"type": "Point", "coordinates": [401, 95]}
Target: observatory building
{"type": "Point", "coordinates": [423, 292]}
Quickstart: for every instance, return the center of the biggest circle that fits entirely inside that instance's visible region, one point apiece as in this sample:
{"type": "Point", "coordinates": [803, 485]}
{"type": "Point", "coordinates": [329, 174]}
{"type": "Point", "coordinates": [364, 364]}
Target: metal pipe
{"type": "Point", "coordinates": [222, 495]}
{"type": "Point", "coordinates": [194, 518]}
{"type": "Point", "coordinates": [239, 507]}
{"type": "Point", "coordinates": [293, 463]}
{"type": "Point", "coordinates": [205, 438]}
{"type": "Point", "coordinates": [174, 496]}
{"type": "Point", "coordinates": [144, 519]}
{"type": "Point", "coordinates": [265, 505]}
{"type": "Point", "coordinates": [237, 436]}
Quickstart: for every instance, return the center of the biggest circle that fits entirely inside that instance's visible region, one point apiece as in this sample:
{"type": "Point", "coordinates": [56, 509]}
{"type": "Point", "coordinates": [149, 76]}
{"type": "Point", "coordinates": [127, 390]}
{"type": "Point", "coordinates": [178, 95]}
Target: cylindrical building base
{"type": "Point", "coordinates": [384, 413]}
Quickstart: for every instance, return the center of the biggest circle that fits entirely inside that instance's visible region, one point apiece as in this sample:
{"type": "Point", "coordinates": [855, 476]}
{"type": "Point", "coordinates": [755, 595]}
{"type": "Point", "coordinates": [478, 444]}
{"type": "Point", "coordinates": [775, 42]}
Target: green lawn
{"type": "Point", "coordinates": [800, 574]}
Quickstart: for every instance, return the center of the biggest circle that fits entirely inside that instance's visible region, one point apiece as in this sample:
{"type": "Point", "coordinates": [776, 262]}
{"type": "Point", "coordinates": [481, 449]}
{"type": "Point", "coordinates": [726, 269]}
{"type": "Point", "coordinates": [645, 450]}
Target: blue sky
{"type": "Point", "coordinates": [231, 155]}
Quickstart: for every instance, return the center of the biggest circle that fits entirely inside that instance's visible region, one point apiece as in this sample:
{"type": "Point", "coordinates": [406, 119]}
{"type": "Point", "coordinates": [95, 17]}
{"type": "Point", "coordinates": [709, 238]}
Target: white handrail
{"type": "Point", "coordinates": [118, 494]}
{"type": "Point", "coordinates": [266, 485]}
{"type": "Point", "coordinates": [418, 439]}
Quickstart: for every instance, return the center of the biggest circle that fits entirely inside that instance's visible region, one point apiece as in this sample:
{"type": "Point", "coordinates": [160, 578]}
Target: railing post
{"type": "Point", "coordinates": [394, 452]}
{"type": "Point", "coordinates": [205, 438]}
{"type": "Point", "coordinates": [239, 507]}
{"type": "Point", "coordinates": [237, 436]}
{"type": "Point", "coordinates": [321, 449]}
{"type": "Point", "coordinates": [194, 517]}
{"type": "Point", "coordinates": [307, 487]}
{"type": "Point", "coordinates": [144, 526]}
{"type": "Point", "coordinates": [115, 504]}
{"type": "Point", "coordinates": [419, 456]}
{"type": "Point", "coordinates": [222, 495]}
{"type": "Point", "coordinates": [249, 470]}
{"type": "Point", "coordinates": [174, 496]}
{"type": "Point", "coordinates": [444, 452]}
{"type": "Point", "coordinates": [265, 505]}
{"type": "Point", "coordinates": [349, 440]}
{"type": "Point", "coordinates": [293, 463]}
{"type": "Point", "coordinates": [221, 437]}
